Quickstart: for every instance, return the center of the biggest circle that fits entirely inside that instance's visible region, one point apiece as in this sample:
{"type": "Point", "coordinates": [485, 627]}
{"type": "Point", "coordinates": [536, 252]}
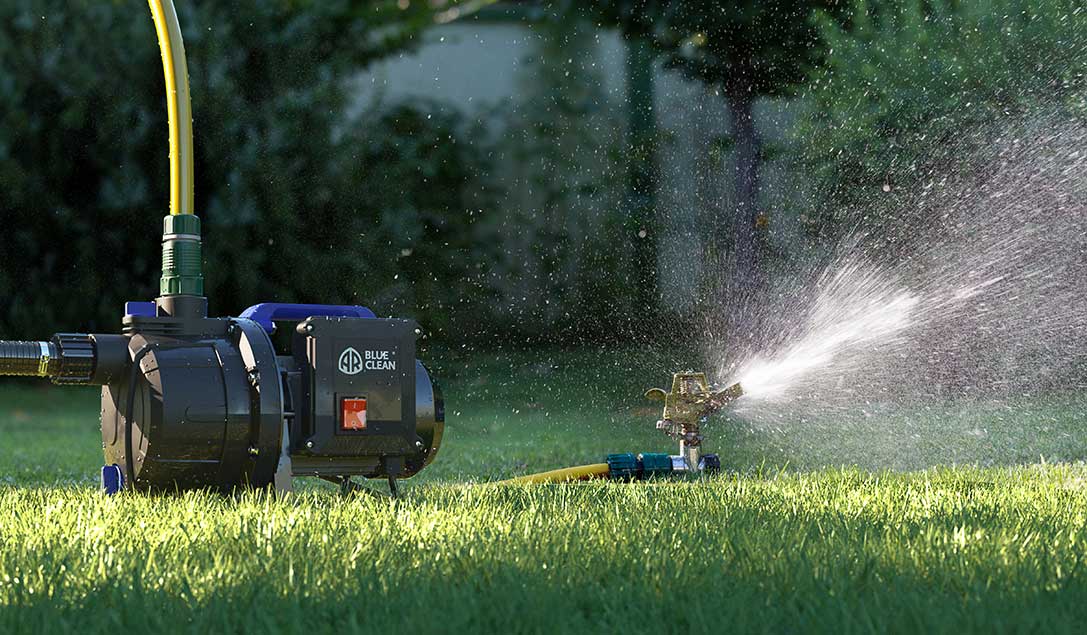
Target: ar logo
{"type": "Point", "coordinates": [350, 361]}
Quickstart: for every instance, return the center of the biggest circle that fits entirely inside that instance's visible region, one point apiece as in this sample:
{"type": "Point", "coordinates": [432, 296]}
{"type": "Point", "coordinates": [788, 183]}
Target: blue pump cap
{"type": "Point", "coordinates": [142, 309]}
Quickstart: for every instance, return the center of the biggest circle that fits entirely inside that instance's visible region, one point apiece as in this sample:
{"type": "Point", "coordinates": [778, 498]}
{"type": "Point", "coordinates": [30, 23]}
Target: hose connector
{"type": "Point", "coordinates": [68, 358]}
{"type": "Point", "coordinates": [182, 258]}
{"type": "Point", "coordinates": [75, 354]}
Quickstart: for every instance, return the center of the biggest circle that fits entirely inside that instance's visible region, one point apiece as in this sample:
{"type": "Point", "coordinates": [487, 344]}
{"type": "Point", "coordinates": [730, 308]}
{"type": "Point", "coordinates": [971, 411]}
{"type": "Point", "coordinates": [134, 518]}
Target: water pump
{"type": "Point", "coordinates": [191, 402]}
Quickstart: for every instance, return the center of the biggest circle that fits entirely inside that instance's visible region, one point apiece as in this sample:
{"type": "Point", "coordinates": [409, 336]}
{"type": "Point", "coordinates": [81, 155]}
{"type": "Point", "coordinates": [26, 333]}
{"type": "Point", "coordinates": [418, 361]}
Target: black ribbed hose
{"type": "Point", "coordinates": [27, 359]}
{"type": "Point", "coordinates": [69, 358]}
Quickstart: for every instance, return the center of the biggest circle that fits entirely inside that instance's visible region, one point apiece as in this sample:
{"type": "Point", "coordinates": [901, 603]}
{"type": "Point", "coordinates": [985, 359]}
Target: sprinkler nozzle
{"type": "Point", "coordinates": [692, 398]}
{"type": "Point", "coordinates": [690, 402]}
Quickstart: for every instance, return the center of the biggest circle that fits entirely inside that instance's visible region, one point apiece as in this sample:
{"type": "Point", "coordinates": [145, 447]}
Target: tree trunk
{"type": "Point", "coordinates": [642, 173]}
{"type": "Point", "coordinates": [747, 272]}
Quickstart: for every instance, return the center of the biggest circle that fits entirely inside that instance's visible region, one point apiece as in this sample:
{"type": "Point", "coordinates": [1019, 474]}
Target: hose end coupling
{"type": "Point", "coordinates": [182, 260]}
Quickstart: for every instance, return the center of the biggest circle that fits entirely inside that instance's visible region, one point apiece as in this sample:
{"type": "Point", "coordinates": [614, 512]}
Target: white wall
{"type": "Point", "coordinates": [472, 66]}
{"type": "Point", "coordinates": [475, 66]}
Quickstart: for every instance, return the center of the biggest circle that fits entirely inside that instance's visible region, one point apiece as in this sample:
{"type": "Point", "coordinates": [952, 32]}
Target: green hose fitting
{"type": "Point", "coordinates": [623, 466]}
{"type": "Point", "coordinates": [628, 466]}
{"type": "Point", "coordinates": [655, 464]}
{"type": "Point", "coordinates": [182, 261]}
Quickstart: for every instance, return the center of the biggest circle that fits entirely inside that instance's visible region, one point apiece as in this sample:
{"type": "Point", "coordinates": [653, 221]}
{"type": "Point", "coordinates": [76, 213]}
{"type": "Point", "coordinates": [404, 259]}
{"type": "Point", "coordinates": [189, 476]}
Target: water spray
{"type": "Point", "coordinates": [965, 295]}
{"type": "Point", "coordinates": [192, 402]}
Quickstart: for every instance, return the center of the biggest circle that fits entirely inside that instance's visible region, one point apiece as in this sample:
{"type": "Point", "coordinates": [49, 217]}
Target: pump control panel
{"type": "Point", "coordinates": [357, 388]}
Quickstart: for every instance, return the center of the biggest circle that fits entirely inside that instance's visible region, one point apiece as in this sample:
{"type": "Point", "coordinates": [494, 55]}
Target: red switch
{"type": "Point", "coordinates": [354, 413]}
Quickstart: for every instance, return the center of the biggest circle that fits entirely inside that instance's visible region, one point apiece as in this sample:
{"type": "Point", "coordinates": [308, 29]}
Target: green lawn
{"type": "Point", "coordinates": [780, 543]}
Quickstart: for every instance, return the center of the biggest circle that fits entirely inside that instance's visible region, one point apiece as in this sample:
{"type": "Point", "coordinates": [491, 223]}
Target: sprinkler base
{"type": "Point", "coordinates": [629, 466]}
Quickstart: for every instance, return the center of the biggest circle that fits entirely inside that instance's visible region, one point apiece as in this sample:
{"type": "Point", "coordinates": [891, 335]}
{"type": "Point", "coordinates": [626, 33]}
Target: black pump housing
{"type": "Point", "coordinates": [208, 402]}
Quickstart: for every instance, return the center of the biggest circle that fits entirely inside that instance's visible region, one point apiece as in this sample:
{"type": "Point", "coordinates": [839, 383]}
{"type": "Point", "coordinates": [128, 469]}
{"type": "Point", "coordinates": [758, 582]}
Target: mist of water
{"type": "Point", "coordinates": [974, 287]}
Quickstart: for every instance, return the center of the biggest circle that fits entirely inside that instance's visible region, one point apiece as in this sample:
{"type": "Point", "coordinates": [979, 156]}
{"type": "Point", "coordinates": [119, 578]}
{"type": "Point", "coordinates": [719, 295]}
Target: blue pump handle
{"type": "Point", "coordinates": [266, 313]}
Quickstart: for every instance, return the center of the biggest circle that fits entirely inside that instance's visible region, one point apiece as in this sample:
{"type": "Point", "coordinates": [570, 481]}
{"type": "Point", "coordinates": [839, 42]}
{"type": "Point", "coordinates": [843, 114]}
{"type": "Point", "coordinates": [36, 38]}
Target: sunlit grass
{"type": "Point", "coordinates": [764, 547]}
{"type": "Point", "coordinates": [834, 550]}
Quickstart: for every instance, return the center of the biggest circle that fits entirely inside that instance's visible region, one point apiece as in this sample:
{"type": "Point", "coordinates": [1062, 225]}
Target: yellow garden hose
{"type": "Point", "coordinates": [178, 106]}
{"type": "Point", "coordinates": [580, 473]}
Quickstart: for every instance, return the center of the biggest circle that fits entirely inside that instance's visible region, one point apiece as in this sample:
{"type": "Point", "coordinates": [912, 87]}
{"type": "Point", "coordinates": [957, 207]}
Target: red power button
{"type": "Point", "coordinates": [354, 413]}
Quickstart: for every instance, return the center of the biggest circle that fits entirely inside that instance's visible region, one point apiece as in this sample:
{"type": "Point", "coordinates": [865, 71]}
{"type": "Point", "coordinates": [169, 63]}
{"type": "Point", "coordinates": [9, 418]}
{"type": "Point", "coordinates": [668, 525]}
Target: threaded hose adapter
{"type": "Point", "coordinates": [182, 258]}
{"type": "Point", "coordinates": [76, 357]}
{"type": "Point", "coordinates": [68, 358]}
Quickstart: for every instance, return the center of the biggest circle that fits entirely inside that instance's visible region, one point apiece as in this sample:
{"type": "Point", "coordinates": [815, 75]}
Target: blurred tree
{"type": "Point", "coordinates": [562, 275]}
{"type": "Point", "coordinates": [642, 173]}
{"type": "Point", "coordinates": [301, 202]}
{"type": "Point", "coordinates": [745, 49]}
{"type": "Point", "coordinates": [911, 85]}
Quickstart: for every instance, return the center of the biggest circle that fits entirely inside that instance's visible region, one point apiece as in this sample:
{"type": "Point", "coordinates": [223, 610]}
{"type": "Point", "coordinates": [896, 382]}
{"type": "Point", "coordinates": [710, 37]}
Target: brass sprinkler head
{"type": "Point", "coordinates": [691, 401]}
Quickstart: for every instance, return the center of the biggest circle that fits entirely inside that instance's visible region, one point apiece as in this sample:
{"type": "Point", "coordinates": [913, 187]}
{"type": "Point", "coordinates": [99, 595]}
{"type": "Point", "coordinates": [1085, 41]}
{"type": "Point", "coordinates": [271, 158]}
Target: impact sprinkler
{"type": "Point", "coordinates": [191, 401]}
{"type": "Point", "coordinates": [692, 401]}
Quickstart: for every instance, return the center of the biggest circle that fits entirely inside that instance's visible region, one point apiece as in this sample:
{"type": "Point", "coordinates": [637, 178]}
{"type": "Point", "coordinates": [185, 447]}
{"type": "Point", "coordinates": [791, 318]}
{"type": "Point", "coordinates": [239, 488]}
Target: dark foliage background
{"type": "Point", "coordinates": [913, 89]}
{"type": "Point", "coordinates": [299, 203]}
{"type": "Point", "coordinates": [417, 209]}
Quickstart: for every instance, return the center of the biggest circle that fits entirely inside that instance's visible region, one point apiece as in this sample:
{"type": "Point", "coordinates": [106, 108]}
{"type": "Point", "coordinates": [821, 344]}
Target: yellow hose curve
{"type": "Point", "coordinates": [178, 106]}
{"type": "Point", "coordinates": [579, 473]}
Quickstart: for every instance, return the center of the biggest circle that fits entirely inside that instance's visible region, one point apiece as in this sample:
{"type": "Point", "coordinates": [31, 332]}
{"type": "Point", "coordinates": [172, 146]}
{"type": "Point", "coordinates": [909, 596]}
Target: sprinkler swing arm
{"type": "Point", "coordinates": [193, 402]}
{"type": "Point", "coordinates": [689, 404]}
